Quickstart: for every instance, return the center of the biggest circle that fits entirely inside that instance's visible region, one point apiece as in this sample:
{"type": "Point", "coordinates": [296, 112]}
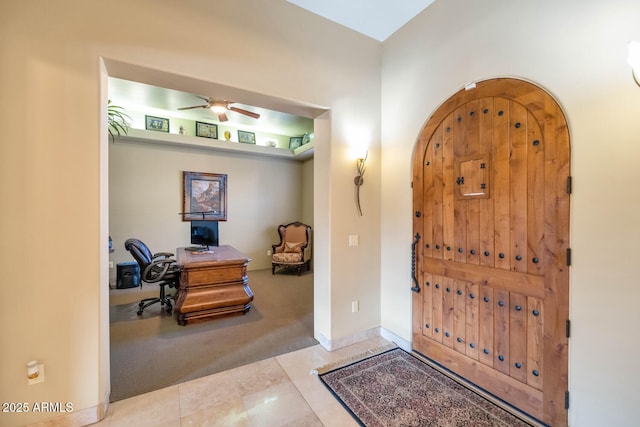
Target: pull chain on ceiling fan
{"type": "Point", "coordinates": [221, 107]}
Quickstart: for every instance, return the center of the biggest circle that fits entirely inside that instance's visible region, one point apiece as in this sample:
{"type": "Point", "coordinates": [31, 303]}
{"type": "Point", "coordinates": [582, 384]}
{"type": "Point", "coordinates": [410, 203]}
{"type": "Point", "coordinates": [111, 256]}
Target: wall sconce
{"type": "Point", "coordinates": [359, 179]}
{"type": "Point", "coordinates": [633, 58]}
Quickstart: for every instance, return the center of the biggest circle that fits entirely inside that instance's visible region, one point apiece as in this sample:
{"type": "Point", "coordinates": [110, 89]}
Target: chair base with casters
{"type": "Point", "coordinates": [294, 250]}
{"type": "Point", "coordinates": [163, 299]}
{"type": "Point", "coordinates": [159, 268]}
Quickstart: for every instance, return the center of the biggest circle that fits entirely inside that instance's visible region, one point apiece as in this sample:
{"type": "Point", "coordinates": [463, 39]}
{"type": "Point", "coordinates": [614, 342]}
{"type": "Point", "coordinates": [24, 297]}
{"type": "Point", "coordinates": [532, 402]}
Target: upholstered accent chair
{"type": "Point", "coordinates": [294, 249]}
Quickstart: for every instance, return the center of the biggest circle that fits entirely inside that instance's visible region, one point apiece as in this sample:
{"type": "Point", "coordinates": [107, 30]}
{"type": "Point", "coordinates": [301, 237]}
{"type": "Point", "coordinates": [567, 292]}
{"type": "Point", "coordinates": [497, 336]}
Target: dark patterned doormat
{"type": "Point", "coordinates": [394, 388]}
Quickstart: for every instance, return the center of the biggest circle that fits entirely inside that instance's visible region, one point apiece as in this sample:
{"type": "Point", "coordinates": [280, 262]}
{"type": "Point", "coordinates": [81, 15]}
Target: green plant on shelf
{"type": "Point", "coordinates": [118, 121]}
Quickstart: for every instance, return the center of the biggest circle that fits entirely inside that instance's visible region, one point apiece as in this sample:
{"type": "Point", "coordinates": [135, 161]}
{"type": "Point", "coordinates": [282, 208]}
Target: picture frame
{"type": "Point", "coordinates": [246, 137]}
{"type": "Point", "coordinates": [159, 124]}
{"type": "Point", "coordinates": [295, 142]}
{"type": "Point", "coordinates": [204, 196]}
{"type": "Point", "coordinates": [206, 130]}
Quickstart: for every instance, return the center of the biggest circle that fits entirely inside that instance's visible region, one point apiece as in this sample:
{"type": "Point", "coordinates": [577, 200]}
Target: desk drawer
{"type": "Point", "coordinates": [206, 298]}
{"type": "Point", "coordinates": [207, 276]}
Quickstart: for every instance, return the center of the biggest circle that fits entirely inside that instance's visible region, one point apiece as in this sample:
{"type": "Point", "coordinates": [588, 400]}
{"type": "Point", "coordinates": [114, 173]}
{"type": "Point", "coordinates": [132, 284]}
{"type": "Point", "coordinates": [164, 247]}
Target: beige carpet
{"type": "Point", "coordinates": [152, 351]}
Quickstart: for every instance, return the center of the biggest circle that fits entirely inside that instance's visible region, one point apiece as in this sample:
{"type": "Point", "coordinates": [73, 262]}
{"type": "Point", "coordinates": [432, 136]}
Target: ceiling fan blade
{"type": "Point", "coordinates": [245, 112]}
{"type": "Point", "coordinates": [195, 106]}
{"type": "Point", "coordinates": [222, 117]}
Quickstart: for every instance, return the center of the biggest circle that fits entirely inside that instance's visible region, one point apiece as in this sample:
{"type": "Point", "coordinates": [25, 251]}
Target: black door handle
{"type": "Point", "coordinates": [416, 285]}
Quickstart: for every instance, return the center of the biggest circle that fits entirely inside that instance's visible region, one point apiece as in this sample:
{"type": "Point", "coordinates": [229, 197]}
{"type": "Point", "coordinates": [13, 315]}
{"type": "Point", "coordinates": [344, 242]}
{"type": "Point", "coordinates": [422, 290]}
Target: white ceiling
{"type": "Point", "coordinates": [377, 19]}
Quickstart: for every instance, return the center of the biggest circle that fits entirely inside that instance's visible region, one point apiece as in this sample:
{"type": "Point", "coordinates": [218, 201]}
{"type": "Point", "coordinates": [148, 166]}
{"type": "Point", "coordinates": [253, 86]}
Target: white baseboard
{"type": "Point", "coordinates": [331, 345]}
{"type": "Point", "coordinates": [400, 342]}
{"type": "Point", "coordinates": [79, 418]}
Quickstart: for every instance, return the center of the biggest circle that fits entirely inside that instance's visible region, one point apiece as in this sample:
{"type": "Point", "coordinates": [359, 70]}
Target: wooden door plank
{"type": "Point", "coordinates": [486, 214]}
{"type": "Point", "coordinates": [427, 204]}
{"type": "Point", "coordinates": [518, 336]}
{"type": "Point", "coordinates": [485, 339]}
{"type": "Point", "coordinates": [437, 308]}
{"type": "Point", "coordinates": [472, 327]}
{"type": "Point", "coordinates": [448, 308]}
{"type": "Point", "coordinates": [473, 232]}
{"type": "Point", "coordinates": [427, 304]}
{"type": "Point", "coordinates": [518, 185]}
{"type": "Point", "coordinates": [501, 189]}
{"type": "Point", "coordinates": [459, 132]}
{"type": "Point", "coordinates": [472, 128]}
{"type": "Point", "coordinates": [458, 238]}
{"type": "Point", "coordinates": [459, 316]}
{"type": "Point", "coordinates": [501, 331]}
{"type": "Point", "coordinates": [459, 243]}
{"type": "Point", "coordinates": [535, 197]}
{"type": "Point", "coordinates": [438, 189]}
{"type": "Point", "coordinates": [467, 232]}
{"type": "Point", "coordinates": [417, 314]}
{"type": "Point", "coordinates": [535, 336]}
{"type": "Point", "coordinates": [448, 195]}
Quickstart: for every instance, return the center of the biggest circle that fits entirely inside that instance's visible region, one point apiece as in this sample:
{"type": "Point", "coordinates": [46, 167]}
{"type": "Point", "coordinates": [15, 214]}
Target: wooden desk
{"type": "Point", "coordinates": [212, 284]}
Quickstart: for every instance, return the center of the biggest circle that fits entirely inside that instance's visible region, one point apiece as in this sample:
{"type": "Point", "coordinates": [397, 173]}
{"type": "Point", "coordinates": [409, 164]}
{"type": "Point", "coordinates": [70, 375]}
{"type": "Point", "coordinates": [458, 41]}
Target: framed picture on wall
{"type": "Point", "coordinates": [159, 124]}
{"type": "Point", "coordinates": [246, 137]}
{"type": "Point", "coordinates": [204, 196]}
{"type": "Point", "coordinates": [295, 142]}
{"type": "Point", "coordinates": [206, 130]}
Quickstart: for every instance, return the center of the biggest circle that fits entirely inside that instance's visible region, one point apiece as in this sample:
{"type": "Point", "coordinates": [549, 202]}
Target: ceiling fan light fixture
{"type": "Point", "coordinates": [218, 108]}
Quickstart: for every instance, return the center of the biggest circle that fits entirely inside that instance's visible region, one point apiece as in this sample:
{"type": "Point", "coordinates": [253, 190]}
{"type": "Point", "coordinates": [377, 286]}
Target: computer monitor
{"type": "Point", "coordinates": [204, 233]}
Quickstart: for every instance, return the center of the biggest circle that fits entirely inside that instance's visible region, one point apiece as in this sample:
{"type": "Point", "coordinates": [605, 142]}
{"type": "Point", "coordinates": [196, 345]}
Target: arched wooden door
{"type": "Point", "coordinates": [491, 226]}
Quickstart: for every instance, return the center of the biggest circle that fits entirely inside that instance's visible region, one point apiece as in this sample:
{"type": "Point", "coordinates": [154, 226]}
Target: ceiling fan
{"type": "Point", "coordinates": [220, 107]}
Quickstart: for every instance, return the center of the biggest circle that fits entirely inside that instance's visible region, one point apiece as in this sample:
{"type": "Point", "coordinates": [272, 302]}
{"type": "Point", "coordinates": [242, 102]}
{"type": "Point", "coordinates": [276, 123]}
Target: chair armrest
{"type": "Point", "coordinates": [157, 270]}
{"type": "Point", "coordinates": [163, 254]}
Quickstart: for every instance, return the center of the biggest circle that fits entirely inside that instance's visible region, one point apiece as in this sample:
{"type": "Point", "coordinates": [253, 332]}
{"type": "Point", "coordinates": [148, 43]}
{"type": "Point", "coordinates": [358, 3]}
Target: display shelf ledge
{"type": "Point", "coordinates": [175, 140]}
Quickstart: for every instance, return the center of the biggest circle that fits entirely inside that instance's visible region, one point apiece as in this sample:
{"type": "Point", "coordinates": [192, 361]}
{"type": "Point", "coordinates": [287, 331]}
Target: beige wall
{"type": "Point", "coordinates": [54, 177]}
{"type": "Point", "coordinates": [145, 184]}
{"type": "Point", "coordinates": [576, 50]}
{"type": "Point", "coordinates": [307, 192]}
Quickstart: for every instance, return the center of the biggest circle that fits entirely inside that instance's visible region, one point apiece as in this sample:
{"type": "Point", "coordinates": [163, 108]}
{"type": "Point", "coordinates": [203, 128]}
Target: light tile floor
{"type": "Point", "coordinates": [279, 391]}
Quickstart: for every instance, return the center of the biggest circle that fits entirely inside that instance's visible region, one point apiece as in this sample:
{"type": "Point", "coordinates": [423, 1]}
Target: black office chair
{"type": "Point", "coordinates": [158, 268]}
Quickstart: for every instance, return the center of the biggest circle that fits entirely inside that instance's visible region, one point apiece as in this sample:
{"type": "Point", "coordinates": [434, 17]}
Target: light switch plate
{"type": "Point", "coordinates": [353, 240]}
